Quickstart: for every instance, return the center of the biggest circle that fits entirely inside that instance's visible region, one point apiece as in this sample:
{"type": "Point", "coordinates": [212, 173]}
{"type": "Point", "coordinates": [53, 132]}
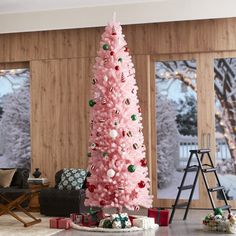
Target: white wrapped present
{"type": "Point", "coordinates": [120, 221]}
{"type": "Point", "coordinates": [144, 222]}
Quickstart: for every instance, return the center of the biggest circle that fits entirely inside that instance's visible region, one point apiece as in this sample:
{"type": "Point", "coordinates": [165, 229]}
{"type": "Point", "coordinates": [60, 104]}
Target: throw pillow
{"type": "Point", "coordinates": [72, 179]}
{"type": "Point", "coordinates": [6, 177]}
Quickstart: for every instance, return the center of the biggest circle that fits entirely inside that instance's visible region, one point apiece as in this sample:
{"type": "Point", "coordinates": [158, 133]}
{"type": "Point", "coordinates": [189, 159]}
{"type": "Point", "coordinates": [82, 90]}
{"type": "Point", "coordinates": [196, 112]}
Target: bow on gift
{"type": "Point", "coordinates": [122, 220]}
{"type": "Point", "coordinates": [94, 215]}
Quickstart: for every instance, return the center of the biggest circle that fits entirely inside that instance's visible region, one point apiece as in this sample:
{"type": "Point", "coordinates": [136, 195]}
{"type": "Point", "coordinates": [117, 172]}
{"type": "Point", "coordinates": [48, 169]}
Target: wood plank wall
{"type": "Point", "coordinates": [60, 64]}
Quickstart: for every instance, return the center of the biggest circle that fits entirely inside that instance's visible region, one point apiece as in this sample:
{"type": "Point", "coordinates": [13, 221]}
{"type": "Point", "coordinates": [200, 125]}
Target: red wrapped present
{"type": "Point", "coordinates": [160, 215]}
{"type": "Point", "coordinates": [131, 218]}
{"type": "Point", "coordinates": [73, 216]}
{"type": "Point", "coordinates": [92, 218]}
{"type": "Point", "coordinates": [60, 223]}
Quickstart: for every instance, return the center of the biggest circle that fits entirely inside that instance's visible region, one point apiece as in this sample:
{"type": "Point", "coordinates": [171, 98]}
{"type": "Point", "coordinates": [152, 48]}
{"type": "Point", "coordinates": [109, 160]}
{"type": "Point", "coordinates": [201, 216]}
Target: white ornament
{"type": "Point", "coordinates": [111, 173]}
{"type": "Point", "coordinates": [105, 78]}
{"type": "Point", "coordinates": [113, 133]}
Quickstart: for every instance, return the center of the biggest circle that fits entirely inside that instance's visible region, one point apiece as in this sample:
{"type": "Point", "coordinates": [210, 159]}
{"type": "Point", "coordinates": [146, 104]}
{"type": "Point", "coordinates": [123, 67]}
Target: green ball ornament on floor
{"type": "Point", "coordinates": [92, 103]}
{"type": "Point", "coordinates": [105, 46]}
{"type": "Point", "coordinates": [131, 168]}
{"type": "Point", "coordinates": [134, 117]}
{"type": "Point", "coordinates": [218, 211]}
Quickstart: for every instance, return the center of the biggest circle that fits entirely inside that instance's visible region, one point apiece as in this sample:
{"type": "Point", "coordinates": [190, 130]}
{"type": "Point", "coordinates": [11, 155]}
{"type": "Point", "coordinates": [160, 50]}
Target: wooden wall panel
{"type": "Point", "coordinates": [59, 110]}
{"type": "Point", "coordinates": [156, 38]}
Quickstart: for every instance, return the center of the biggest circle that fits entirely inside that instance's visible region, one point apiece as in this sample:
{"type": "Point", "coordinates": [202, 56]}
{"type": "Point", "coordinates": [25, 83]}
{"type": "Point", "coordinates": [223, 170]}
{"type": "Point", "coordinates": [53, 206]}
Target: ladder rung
{"type": "Point", "coordinates": [186, 187]}
{"type": "Point", "coordinates": [216, 188]}
{"type": "Point", "coordinates": [191, 168]}
{"type": "Point", "coordinates": [204, 150]}
{"type": "Point", "coordinates": [209, 170]}
{"type": "Point", "coordinates": [225, 207]}
{"type": "Point", "coordinates": [181, 205]}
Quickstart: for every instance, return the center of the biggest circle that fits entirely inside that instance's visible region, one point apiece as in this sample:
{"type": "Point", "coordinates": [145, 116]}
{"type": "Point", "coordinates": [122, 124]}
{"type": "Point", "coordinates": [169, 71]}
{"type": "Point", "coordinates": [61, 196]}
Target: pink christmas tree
{"type": "Point", "coordinates": [119, 173]}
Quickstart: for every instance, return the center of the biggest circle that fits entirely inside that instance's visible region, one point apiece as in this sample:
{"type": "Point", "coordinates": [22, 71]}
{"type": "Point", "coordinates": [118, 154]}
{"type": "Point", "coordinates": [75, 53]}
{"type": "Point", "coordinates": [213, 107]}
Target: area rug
{"type": "Point", "coordinates": [9, 226]}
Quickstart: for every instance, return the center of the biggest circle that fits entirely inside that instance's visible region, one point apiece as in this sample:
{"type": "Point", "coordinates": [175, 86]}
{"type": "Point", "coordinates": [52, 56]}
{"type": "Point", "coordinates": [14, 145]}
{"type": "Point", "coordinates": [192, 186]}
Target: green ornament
{"type": "Point", "coordinates": [131, 168]}
{"type": "Point", "coordinates": [105, 46]}
{"type": "Point", "coordinates": [218, 211]}
{"type": "Point", "coordinates": [104, 154]}
{"type": "Point", "coordinates": [89, 154]}
{"type": "Point", "coordinates": [92, 103]}
{"type": "Point", "coordinates": [120, 59]}
{"type": "Point", "coordinates": [134, 117]}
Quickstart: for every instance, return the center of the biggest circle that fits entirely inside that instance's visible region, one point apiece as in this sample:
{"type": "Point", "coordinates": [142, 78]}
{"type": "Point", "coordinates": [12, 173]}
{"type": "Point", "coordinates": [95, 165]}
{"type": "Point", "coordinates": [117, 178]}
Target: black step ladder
{"type": "Point", "coordinates": [204, 168]}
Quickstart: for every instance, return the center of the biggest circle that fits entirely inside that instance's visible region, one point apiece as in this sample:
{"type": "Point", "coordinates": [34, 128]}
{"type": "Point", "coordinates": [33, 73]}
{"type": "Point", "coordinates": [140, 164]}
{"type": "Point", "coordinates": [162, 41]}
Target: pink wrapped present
{"type": "Point", "coordinates": [54, 222]}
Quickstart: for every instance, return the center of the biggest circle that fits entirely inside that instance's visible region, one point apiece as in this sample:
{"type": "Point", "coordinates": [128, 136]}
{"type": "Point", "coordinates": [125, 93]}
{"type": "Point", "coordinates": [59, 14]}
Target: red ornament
{"type": "Point", "coordinates": [91, 188]}
{"type": "Point", "coordinates": [113, 33]}
{"type": "Point", "coordinates": [126, 49]}
{"type": "Point", "coordinates": [141, 184]}
{"type": "Point", "coordinates": [117, 67]}
{"type": "Point", "coordinates": [143, 162]}
{"type": "Point", "coordinates": [112, 53]}
{"type": "Point", "coordinates": [104, 101]}
{"type": "Point", "coordinates": [123, 133]}
{"type": "Point", "coordinates": [107, 187]}
{"type": "Point", "coordinates": [102, 203]}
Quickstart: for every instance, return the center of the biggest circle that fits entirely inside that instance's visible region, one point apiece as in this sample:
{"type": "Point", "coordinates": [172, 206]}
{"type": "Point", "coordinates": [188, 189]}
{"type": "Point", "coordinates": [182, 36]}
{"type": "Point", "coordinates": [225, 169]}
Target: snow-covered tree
{"type": "Point", "coordinates": [167, 140]}
{"type": "Point", "coordinates": [15, 125]}
{"type": "Point", "coordinates": [225, 88]}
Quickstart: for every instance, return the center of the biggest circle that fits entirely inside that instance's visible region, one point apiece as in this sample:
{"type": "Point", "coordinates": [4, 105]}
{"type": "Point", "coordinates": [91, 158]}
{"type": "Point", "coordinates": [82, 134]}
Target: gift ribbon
{"type": "Point", "coordinates": [122, 220]}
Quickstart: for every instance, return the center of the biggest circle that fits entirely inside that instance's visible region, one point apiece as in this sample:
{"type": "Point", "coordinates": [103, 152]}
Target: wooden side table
{"type": "Point", "coordinates": [34, 200]}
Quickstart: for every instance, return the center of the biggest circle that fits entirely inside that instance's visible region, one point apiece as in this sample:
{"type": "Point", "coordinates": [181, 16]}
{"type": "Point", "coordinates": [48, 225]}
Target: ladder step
{"type": "Point", "coordinates": [216, 188]}
{"type": "Point", "coordinates": [207, 170]}
{"type": "Point", "coordinates": [225, 207]}
{"type": "Point", "coordinates": [181, 205]}
{"type": "Point", "coordinates": [186, 187]}
{"type": "Point", "coordinates": [191, 168]}
{"type": "Point", "coordinates": [204, 150]}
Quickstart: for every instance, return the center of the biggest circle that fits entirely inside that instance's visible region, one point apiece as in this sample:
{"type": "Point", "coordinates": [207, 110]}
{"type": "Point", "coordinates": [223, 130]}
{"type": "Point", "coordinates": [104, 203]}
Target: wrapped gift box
{"type": "Point", "coordinates": [120, 221]}
{"type": "Point", "coordinates": [144, 222]}
{"type": "Point", "coordinates": [60, 223]}
{"type": "Point", "coordinates": [161, 216]}
{"type": "Point", "coordinates": [92, 219]}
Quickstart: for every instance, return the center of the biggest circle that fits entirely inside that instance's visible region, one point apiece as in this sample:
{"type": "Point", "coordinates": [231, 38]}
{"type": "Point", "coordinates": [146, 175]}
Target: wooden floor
{"type": "Point", "coordinates": [191, 227]}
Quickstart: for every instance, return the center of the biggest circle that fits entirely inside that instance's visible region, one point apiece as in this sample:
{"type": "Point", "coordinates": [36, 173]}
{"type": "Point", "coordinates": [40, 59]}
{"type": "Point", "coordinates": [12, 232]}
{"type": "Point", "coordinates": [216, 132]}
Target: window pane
{"type": "Point", "coordinates": [15, 148]}
{"type": "Point", "coordinates": [176, 121]}
{"type": "Point", "coordinates": [225, 113]}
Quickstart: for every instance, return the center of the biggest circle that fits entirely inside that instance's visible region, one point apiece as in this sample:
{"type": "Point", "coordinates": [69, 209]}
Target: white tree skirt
{"type": "Point", "coordinates": [99, 229]}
